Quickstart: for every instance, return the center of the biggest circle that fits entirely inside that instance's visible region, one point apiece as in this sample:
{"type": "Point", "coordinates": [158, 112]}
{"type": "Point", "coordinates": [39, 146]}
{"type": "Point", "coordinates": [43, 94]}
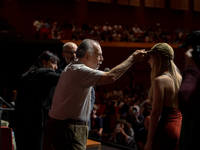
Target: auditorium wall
{"type": "Point", "coordinates": [22, 13]}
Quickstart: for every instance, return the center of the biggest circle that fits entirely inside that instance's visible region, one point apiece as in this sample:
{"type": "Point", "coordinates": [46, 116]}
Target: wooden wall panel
{"type": "Point", "coordinates": [179, 4]}
{"type": "Point", "coordinates": [184, 4]}
{"type": "Point", "coordinates": [123, 2]}
{"type": "Point", "coordinates": [100, 1]}
{"type": "Point", "coordinates": [149, 3]}
{"type": "Point", "coordinates": [105, 1]}
{"type": "Point", "coordinates": [160, 4]}
{"type": "Point", "coordinates": [174, 4]}
{"type": "Point", "coordinates": [135, 2]}
{"type": "Point", "coordinates": [196, 5]}
{"type": "Point", "coordinates": [93, 0]}
{"type": "Point", "coordinates": [155, 3]}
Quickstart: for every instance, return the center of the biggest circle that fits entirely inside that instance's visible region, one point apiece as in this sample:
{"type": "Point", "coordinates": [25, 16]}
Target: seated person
{"type": "Point", "coordinates": [123, 134]}
{"type": "Point", "coordinates": [96, 124]}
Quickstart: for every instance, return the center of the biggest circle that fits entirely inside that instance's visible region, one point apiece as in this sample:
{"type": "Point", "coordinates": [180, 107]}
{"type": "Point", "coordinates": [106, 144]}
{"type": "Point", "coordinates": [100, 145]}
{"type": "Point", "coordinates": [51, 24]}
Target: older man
{"type": "Point", "coordinates": [67, 127]}
{"type": "Point", "coordinates": [69, 54]}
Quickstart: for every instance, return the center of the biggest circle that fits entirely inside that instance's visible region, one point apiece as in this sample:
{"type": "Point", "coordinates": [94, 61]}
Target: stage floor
{"type": "Point", "coordinates": [104, 147]}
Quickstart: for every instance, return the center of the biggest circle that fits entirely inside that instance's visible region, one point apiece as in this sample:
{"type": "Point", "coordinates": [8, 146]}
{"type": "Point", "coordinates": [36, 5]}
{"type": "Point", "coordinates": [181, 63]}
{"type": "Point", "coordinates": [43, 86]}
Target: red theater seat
{"type": "Point", "coordinates": [6, 138]}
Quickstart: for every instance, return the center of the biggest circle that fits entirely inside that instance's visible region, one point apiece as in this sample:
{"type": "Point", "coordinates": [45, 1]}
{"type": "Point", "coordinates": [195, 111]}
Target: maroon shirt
{"type": "Point", "coordinates": [189, 93]}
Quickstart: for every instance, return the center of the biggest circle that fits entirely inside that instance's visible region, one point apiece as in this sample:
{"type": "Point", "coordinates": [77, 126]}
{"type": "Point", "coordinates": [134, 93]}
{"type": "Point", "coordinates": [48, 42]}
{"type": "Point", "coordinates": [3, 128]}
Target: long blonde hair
{"type": "Point", "coordinates": [162, 64]}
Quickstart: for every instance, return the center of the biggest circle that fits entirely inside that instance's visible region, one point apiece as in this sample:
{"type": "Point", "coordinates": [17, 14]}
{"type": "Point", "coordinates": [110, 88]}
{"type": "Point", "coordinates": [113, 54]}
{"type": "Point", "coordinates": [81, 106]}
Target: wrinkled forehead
{"type": "Point", "coordinates": [97, 48]}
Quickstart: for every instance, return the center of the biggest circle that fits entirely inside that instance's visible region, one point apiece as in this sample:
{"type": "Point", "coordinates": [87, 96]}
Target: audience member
{"type": "Point", "coordinates": [146, 108]}
{"type": "Point", "coordinates": [137, 121]}
{"type": "Point", "coordinates": [73, 93]}
{"type": "Point", "coordinates": [123, 134]}
{"type": "Point", "coordinates": [127, 90]}
{"type": "Point", "coordinates": [56, 31]}
{"type": "Point", "coordinates": [96, 124]}
{"type": "Point", "coordinates": [108, 112]}
{"type": "Point", "coordinates": [36, 27]}
{"type": "Point", "coordinates": [118, 91]}
{"type": "Point", "coordinates": [33, 102]}
{"type": "Point", "coordinates": [107, 94]}
{"type": "Point", "coordinates": [165, 117]}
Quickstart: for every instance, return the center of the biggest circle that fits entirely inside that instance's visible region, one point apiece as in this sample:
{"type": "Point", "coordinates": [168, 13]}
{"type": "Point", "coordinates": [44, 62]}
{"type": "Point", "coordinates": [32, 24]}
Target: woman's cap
{"type": "Point", "coordinates": [164, 49]}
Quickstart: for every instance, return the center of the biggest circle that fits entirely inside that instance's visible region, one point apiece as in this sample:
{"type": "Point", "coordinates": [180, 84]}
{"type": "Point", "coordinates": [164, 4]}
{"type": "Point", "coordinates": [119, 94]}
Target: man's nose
{"type": "Point", "coordinates": [102, 58]}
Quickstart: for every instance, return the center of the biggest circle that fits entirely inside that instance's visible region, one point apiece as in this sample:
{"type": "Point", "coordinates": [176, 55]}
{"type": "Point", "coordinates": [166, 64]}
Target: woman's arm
{"type": "Point", "coordinates": [158, 96]}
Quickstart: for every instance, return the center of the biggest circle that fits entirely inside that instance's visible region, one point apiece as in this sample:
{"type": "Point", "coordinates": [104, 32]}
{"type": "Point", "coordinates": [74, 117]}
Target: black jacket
{"type": "Point", "coordinates": [34, 97]}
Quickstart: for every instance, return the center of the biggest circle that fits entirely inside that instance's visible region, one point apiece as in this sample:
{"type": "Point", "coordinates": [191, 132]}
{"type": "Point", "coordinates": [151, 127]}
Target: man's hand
{"type": "Point", "coordinates": [189, 59]}
{"type": "Point", "coordinates": [138, 55]}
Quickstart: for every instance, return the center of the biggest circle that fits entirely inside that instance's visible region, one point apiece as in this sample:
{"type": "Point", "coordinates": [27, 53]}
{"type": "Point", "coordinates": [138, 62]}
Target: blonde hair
{"type": "Point", "coordinates": [162, 64]}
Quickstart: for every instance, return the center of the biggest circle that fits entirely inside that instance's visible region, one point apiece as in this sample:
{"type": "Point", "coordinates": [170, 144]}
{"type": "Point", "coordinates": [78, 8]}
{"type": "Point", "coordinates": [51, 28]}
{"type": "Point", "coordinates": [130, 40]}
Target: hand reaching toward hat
{"type": "Point", "coordinates": [189, 59]}
{"type": "Point", "coordinates": [138, 55]}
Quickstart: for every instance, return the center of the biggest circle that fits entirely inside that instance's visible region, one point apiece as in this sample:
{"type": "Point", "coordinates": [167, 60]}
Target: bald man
{"type": "Point", "coordinates": [69, 54]}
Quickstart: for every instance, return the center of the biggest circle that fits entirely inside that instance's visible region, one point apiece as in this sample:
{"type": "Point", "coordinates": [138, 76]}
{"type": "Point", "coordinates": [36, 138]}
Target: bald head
{"type": "Point", "coordinates": [69, 52]}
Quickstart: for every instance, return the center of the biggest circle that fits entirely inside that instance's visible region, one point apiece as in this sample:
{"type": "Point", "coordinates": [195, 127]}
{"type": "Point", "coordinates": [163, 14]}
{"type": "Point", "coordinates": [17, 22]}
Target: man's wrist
{"type": "Point", "coordinates": [131, 59]}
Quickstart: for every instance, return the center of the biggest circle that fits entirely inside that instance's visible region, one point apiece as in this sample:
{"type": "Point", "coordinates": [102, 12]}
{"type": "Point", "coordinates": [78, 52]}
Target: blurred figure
{"type": "Point", "coordinates": [118, 91]}
{"type": "Point", "coordinates": [106, 116]}
{"type": "Point", "coordinates": [146, 108]}
{"type": "Point", "coordinates": [96, 124]}
{"type": "Point", "coordinates": [55, 31]}
{"type": "Point", "coordinates": [137, 121]}
{"type": "Point", "coordinates": [189, 97]}
{"type": "Point", "coordinates": [123, 134]}
{"type": "Point", "coordinates": [165, 117]}
{"type": "Point", "coordinates": [34, 101]}
{"type": "Point", "coordinates": [36, 27]}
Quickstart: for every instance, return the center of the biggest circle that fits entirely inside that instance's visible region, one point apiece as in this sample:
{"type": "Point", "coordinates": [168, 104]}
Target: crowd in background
{"type": "Point", "coordinates": [50, 29]}
{"type": "Point", "coordinates": [113, 106]}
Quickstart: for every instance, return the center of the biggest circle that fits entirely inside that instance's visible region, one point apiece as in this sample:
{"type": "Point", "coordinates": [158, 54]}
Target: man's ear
{"type": "Point", "coordinates": [87, 56]}
{"type": "Point", "coordinates": [44, 63]}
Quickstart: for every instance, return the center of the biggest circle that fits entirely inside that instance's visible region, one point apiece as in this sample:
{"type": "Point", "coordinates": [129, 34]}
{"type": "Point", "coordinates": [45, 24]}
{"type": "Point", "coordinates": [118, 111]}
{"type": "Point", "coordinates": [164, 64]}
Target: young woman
{"type": "Point", "coordinates": [34, 100]}
{"type": "Point", "coordinates": [165, 117]}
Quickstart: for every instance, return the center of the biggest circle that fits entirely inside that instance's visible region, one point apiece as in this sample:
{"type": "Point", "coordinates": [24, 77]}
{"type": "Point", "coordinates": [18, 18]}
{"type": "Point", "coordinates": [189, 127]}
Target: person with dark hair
{"type": "Point", "coordinates": [165, 118]}
{"type": "Point", "coordinates": [123, 134]}
{"type": "Point", "coordinates": [189, 97]}
{"type": "Point", "coordinates": [137, 121]}
{"type": "Point", "coordinates": [67, 126]}
{"type": "Point", "coordinates": [34, 101]}
{"type": "Point", "coordinates": [96, 124]}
